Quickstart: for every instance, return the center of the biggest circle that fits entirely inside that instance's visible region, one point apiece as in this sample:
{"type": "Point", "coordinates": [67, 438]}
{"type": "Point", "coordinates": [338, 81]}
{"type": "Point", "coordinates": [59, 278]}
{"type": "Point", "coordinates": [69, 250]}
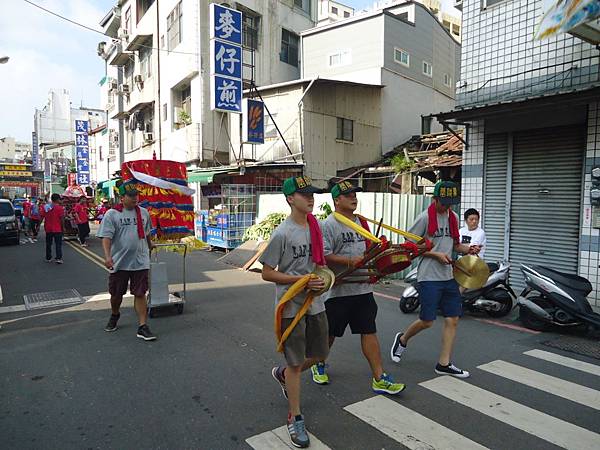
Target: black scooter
{"type": "Point", "coordinates": [555, 298]}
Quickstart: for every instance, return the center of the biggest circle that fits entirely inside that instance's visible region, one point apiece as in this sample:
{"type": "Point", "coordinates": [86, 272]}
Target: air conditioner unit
{"type": "Point", "coordinates": [138, 79]}
{"type": "Point", "coordinates": [125, 89]}
{"type": "Point", "coordinates": [148, 137]}
{"type": "Point", "coordinates": [123, 34]}
{"type": "Point", "coordinates": [113, 85]}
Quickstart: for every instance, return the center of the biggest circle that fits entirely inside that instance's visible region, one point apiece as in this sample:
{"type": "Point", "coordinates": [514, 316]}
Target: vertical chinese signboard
{"type": "Point", "coordinates": [253, 122]}
{"type": "Point", "coordinates": [225, 59]}
{"type": "Point", "coordinates": [35, 152]}
{"type": "Point", "coordinates": [82, 152]}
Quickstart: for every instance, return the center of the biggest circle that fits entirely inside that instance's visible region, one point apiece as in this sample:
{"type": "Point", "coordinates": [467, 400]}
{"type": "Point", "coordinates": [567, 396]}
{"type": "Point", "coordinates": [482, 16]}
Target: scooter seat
{"type": "Point", "coordinates": [571, 281]}
{"type": "Point", "coordinates": [493, 267]}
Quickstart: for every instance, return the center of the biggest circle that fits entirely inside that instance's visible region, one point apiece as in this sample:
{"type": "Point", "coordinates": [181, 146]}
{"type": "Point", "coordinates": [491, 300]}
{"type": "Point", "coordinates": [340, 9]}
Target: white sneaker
{"type": "Point", "coordinates": [397, 348]}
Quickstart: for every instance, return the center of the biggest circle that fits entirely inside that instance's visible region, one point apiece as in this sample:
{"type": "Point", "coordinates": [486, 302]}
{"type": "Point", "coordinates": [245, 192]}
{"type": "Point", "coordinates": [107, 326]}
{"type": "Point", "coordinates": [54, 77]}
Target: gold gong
{"type": "Point", "coordinates": [328, 276]}
{"type": "Point", "coordinates": [471, 272]}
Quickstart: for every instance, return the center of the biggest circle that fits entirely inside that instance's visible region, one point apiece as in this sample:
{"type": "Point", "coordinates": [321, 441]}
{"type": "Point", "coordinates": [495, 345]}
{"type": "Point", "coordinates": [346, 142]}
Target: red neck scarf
{"type": "Point", "coordinates": [432, 226]}
{"type": "Point", "coordinates": [140, 223]}
{"type": "Point", "coordinates": [316, 240]}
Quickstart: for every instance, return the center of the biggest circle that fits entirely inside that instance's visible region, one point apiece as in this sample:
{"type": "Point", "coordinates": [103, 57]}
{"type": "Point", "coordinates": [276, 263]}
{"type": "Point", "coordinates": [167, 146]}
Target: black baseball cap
{"type": "Point", "coordinates": [302, 185]}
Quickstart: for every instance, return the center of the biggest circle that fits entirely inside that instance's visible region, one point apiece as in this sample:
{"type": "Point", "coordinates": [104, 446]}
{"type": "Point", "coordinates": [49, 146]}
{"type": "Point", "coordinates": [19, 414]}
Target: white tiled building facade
{"type": "Point", "coordinates": [502, 64]}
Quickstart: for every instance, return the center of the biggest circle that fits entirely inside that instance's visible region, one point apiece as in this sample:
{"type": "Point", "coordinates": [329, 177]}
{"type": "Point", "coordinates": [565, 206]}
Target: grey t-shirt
{"type": "Point", "coordinates": [128, 251]}
{"type": "Point", "coordinates": [430, 269]}
{"type": "Point", "coordinates": [341, 240]}
{"type": "Point", "coordinates": [290, 252]}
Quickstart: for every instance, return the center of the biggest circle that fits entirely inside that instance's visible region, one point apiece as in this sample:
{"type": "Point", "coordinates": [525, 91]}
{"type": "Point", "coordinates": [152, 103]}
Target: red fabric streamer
{"type": "Point", "coordinates": [432, 225]}
{"type": "Point", "coordinates": [138, 216]}
{"type": "Point", "coordinates": [316, 240]}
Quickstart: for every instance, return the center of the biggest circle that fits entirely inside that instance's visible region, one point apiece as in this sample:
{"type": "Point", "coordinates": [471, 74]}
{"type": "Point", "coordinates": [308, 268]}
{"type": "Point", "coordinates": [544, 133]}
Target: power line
{"type": "Point", "coordinates": [101, 32]}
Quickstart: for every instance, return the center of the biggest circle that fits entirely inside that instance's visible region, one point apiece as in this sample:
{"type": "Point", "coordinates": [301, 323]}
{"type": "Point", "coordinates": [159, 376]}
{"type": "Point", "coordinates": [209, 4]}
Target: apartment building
{"type": "Point", "coordinates": [158, 84]}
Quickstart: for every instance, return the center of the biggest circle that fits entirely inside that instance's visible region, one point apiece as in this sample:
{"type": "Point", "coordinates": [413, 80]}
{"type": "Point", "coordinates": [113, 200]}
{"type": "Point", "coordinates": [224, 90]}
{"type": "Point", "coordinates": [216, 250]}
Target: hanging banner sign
{"type": "Point", "coordinates": [225, 59]}
{"type": "Point", "coordinates": [561, 16]}
{"type": "Point", "coordinates": [253, 121]}
{"type": "Point", "coordinates": [82, 152]}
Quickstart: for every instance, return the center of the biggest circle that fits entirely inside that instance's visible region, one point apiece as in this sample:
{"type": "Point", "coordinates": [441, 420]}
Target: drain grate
{"type": "Point", "coordinates": [52, 299]}
{"type": "Point", "coordinates": [584, 347]}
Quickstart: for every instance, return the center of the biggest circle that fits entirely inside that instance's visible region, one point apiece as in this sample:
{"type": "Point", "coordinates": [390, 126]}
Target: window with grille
{"type": "Point", "coordinates": [345, 129]}
{"type": "Point", "coordinates": [289, 47]}
{"type": "Point", "coordinates": [174, 27]}
{"type": "Point", "coordinates": [146, 61]}
{"type": "Point", "coordinates": [447, 80]}
{"type": "Point", "coordinates": [250, 27]}
{"type": "Point", "coordinates": [303, 5]}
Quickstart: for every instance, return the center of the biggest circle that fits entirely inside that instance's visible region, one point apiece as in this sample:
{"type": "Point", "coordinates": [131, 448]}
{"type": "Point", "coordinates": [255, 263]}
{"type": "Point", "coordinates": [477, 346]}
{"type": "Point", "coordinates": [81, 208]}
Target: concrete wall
{"type": "Point", "coordinates": [323, 153]}
{"type": "Point", "coordinates": [362, 40]}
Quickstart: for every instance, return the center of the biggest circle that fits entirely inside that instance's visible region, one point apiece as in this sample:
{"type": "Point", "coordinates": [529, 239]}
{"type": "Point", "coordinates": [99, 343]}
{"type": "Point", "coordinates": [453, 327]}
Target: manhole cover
{"type": "Point", "coordinates": [584, 347]}
{"type": "Point", "coordinates": [52, 299]}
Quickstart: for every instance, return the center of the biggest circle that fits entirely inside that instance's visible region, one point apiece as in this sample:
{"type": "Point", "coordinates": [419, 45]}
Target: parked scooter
{"type": "Point", "coordinates": [496, 297]}
{"type": "Point", "coordinates": [555, 298]}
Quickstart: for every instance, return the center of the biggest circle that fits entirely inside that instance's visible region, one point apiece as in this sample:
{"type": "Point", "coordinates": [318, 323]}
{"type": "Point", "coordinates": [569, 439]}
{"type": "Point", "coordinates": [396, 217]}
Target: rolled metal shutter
{"type": "Point", "coordinates": [494, 208]}
{"type": "Point", "coordinates": [546, 198]}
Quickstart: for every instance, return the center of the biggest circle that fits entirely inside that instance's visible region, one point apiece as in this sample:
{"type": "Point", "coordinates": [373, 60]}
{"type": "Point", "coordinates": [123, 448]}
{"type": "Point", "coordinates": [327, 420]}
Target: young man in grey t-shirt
{"type": "Point", "coordinates": [352, 303]}
{"type": "Point", "coordinates": [287, 259]}
{"type": "Point", "coordinates": [126, 243]}
{"type": "Point", "coordinates": [436, 284]}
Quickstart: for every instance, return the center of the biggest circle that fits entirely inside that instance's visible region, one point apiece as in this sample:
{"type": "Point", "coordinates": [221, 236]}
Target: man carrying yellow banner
{"type": "Point", "coordinates": [352, 303]}
{"type": "Point", "coordinates": [294, 251]}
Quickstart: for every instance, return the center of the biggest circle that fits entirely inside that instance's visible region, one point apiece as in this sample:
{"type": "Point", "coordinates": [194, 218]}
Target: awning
{"type": "Point", "coordinates": [108, 185]}
{"type": "Point", "coordinates": [139, 41]}
{"type": "Point", "coordinates": [139, 106]}
{"type": "Point", "coordinates": [120, 115]}
{"type": "Point", "coordinates": [202, 177]}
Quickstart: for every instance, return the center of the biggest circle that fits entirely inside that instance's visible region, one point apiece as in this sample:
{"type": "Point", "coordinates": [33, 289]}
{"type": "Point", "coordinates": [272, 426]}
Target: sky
{"type": "Point", "coordinates": [47, 52]}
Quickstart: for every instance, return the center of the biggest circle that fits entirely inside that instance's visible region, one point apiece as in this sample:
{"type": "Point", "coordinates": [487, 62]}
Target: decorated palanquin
{"type": "Point", "coordinates": [164, 191]}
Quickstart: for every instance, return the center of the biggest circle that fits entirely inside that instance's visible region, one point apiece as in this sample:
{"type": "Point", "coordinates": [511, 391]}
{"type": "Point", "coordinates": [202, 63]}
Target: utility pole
{"type": "Point", "coordinates": [158, 80]}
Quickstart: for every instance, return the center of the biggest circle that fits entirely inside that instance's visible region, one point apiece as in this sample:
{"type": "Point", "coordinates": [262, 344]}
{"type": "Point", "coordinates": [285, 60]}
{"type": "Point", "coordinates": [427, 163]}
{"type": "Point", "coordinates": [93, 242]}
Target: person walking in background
{"type": "Point", "coordinates": [472, 234]}
{"type": "Point", "coordinates": [82, 220]}
{"type": "Point", "coordinates": [125, 232]}
{"type": "Point", "coordinates": [101, 210]}
{"type": "Point", "coordinates": [35, 217]}
{"type": "Point", "coordinates": [26, 214]}
{"type": "Point", "coordinates": [53, 215]}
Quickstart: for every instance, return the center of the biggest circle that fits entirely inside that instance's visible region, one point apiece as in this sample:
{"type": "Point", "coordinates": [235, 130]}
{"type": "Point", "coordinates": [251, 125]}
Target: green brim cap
{"type": "Point", "coordinates": [302, 185]}
{"type": "Point", "coordinates": [344, 187]}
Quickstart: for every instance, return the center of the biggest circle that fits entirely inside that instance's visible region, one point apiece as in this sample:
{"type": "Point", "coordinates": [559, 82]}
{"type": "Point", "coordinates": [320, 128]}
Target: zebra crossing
{"type": "Point", "coordinates": [26, 240]}
{"type": "Point", "coordinates": [414, 430]}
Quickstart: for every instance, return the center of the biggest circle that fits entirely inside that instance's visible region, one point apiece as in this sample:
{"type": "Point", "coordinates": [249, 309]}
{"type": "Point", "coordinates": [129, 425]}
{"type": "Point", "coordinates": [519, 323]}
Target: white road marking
{"type": "Point", "coordinates": [537, 423]}
{"type": "Point", "coordinates": [278, 439]}
{"type": "Point", "coordinates": [537, 380]}
{"type": "Point", "coordinates": [408, 427]}
{"type": "Point", "coordinates": [564, 361]}
{"type": "Point", "coordinates": [1, 297]}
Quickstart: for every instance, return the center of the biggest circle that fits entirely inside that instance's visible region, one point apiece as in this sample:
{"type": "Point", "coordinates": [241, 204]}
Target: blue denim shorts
{"type": "Point", "coordinates": [439, 294]}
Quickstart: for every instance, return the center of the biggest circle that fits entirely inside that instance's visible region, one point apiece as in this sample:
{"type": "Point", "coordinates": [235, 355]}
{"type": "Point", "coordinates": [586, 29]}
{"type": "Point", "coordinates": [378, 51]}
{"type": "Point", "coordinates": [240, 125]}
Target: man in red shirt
{"type": "Point", "coordinates": [53, 215]}
{"type": "Point", "coordinates": [81, 218]}
{"type": "Point", "coordinates": [26, 214]}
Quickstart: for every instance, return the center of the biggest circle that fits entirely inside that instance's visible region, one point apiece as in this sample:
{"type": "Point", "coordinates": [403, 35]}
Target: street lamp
{"type": "Point", "coordinates": [4, 59]}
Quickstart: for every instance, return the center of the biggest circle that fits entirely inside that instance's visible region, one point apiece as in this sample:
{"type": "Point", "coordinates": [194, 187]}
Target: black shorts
{"type": "Point", "coordinates": [137, 280]}
{"type": "Point", "coordinates": [358, 311]}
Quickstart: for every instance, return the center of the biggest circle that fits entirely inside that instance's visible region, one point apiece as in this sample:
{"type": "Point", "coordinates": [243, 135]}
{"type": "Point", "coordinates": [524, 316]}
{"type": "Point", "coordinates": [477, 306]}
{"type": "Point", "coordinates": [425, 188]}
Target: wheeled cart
{"type": "Point", "coordinates": [158, 290]}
